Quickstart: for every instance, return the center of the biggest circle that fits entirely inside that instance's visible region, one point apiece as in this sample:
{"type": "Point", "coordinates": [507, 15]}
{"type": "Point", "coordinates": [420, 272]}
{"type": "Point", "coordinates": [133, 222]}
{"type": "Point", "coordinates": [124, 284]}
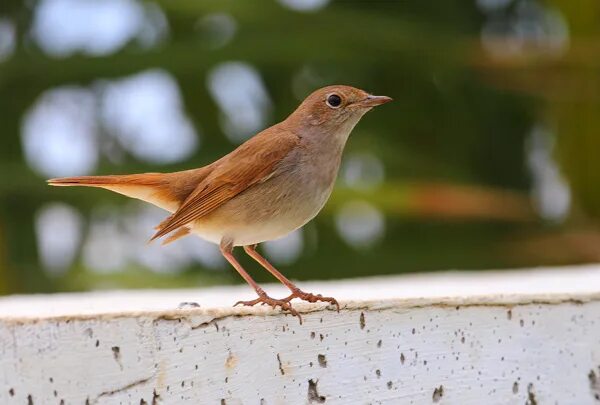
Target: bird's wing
{"type": "Point", "coordinates": [253, 162]}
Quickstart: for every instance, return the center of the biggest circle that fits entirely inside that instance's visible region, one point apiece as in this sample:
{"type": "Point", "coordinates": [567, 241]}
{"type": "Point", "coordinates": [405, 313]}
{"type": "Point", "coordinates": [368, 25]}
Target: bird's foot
{"type": "Point", "coordinates": [264, 299]}
{"type": "Point", "coordinates": [298, 293]}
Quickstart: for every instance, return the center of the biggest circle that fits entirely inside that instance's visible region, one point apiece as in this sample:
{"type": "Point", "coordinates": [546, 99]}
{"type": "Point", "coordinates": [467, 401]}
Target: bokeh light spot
{"type": "Point", "coordinates": [216, 29]}
{"type": "Point", "coordinates": [241, 95]}
{"type": "Point", "coordinates": [362, 171]}
{"type": "Point", "coordinates": [360, 224]}
{"type": "Point", "coordinates": [145, 114]}
{"type": "Point", "coordinates": [58, 231]}
{"type": "Point", "coordinates": [285, 250]}
{"type": "Point", "coordinates": [95, 27]}
{"type": "Point", "coordinates": [8, 38]}
{"type": "Point", "coordinates": [59, 132]}
{"type": "Point", "coordinates": [550, 191]}
{"type": "Point", "coordinates": [305, 5]}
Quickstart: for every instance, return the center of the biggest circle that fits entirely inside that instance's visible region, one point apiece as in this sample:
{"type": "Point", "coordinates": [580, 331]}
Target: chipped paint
{"type": "Point", "coordinates": [313, 394]}
{"type": "Point", "coordinates": [594, 378]}
{"type": "Point", "coordinates": [438, 393]}
{"type": "Point", "coordinates": [231, 361]}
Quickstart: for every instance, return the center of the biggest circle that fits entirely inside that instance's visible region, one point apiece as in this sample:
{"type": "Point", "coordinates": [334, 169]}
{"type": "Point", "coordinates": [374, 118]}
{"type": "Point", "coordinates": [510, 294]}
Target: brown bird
{"type": "Point", "coordinates": [269, 186]}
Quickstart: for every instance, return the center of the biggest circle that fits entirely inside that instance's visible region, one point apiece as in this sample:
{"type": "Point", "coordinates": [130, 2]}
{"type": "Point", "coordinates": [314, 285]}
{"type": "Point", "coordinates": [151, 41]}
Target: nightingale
{"type": "Point", "coordinates": [269, 186]}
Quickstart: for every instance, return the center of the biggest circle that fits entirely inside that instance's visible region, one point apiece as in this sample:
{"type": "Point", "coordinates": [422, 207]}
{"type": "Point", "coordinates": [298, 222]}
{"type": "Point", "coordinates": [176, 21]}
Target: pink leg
{"type": "Point", "coordinates": [296, 292]}
{"type": "Point", "coordinates": [263, 298]}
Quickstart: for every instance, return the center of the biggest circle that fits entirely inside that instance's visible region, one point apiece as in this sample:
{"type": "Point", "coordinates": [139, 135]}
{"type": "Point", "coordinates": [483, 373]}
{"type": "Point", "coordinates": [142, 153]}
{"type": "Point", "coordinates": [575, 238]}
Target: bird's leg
{"type": "Point", "coordinates": [296, 292]}
{"type": "Point", "coordinates": [263, 298]}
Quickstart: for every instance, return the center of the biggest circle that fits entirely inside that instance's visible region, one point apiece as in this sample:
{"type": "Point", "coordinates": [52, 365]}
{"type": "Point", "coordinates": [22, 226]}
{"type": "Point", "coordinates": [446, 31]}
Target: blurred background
{"type": "Point", "coordinates": [486, 159]}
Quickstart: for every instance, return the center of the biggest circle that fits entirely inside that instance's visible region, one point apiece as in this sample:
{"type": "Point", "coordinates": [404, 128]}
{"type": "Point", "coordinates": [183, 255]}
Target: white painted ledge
{"type": "Point", "coordinates": [448, 338]}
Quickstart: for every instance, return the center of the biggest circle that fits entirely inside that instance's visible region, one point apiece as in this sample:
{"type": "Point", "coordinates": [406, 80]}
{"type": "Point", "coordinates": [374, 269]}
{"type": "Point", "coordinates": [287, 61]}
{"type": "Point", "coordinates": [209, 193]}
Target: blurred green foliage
{"type": "Point", "coordinates": [453, 144]}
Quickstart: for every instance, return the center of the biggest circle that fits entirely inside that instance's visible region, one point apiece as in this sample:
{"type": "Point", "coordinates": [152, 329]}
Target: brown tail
{"type": "Point", "coordinates": [166, 191]}
{"type": "Point", "coordinates": [154, 188]}
{"type": "Point", "coordinates": [149, 179]}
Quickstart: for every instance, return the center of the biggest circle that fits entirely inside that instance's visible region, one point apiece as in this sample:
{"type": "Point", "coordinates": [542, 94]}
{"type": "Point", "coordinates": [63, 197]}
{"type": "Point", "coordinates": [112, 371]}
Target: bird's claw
{"type": "Point", "coordinates": [311, 298]}
{"type": "Point", "coordinates": [273, 302]}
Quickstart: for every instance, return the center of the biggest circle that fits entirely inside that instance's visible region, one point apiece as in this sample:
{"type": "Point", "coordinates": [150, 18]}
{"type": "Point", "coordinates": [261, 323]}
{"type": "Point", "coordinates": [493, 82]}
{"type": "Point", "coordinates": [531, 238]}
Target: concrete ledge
{"type": "Point", "coordinates": [449, 338]}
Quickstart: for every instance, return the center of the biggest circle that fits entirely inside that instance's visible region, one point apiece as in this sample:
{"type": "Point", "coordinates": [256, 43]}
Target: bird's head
{"type": "Point", "coordinates": [335, 108]}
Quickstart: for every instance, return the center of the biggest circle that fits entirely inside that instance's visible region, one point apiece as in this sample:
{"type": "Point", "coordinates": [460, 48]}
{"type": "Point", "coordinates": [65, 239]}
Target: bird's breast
{"type": "Point", "coordinates": [273, 208]}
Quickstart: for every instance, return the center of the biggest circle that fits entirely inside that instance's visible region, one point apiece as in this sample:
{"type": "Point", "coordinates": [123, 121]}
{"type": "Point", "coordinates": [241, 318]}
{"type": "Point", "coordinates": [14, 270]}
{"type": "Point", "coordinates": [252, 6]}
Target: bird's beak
{"type": "Point", "coordinates": [372, 101]}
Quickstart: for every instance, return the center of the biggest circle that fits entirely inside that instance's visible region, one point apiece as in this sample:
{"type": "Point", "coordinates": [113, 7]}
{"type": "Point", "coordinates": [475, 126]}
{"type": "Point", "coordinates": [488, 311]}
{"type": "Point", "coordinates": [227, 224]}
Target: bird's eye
{"type": "Point", "coordinates": [334, 101]}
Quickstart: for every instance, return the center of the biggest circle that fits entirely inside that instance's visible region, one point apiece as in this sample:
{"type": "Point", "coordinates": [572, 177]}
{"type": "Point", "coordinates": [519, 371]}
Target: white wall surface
{"type": "Point", "coordinates": [452, 338]}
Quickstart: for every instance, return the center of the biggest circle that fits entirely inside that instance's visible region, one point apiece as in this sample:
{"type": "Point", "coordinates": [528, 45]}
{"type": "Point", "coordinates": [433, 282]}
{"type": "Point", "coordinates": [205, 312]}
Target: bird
{"type": "Point", "coordinates": [272, 184]}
